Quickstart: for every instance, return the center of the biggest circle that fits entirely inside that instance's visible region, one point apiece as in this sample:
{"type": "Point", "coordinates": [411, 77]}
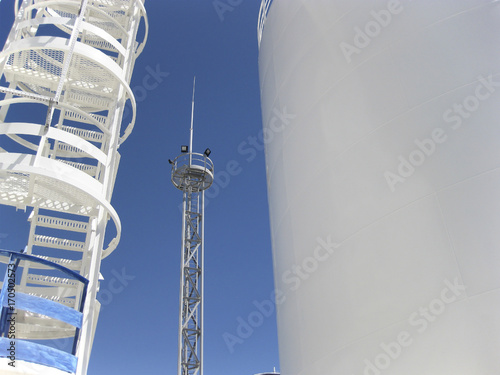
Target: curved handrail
{"type": "Point", "coordinates": [98, 57]}
{"type": "Point", "coordinates": [23, 163]}
{"type": "Point", "coordinates": [26, 128]}
{"type": "Point", "coordinates": [198, 168]}
{"type": "Point", "coordinates": [264, 10]}
{"type": "Point", "coordinates": [16, 7]}
{"type": "Point", "coordinates": [190, 159]}
{"type": "Point", "coordinates": [146, 32]}
{"type": "Point", "coordinates": [85, 26]}
{"type": "Point", "coordinates": [62, 105]}
{"type": "Point", "coordinates": [44, 4]}
{"type": "Point", "coordinates": [38, 353]}
{"type": "Point", "coordinates": [34, 146]}
{"type": "Point", "coordinates": [45, 262]}
{"type": "Point", "coordinates": [104, 14]}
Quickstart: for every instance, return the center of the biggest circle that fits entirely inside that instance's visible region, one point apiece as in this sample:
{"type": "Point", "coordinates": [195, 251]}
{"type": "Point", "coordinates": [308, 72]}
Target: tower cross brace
{"type": "Point", "coordinates": [192, 174]}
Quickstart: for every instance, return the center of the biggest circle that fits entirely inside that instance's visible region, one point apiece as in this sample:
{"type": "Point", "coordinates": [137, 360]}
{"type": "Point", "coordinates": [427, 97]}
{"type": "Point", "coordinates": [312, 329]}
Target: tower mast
{"type": "Point", "coordinates": [192, 173]}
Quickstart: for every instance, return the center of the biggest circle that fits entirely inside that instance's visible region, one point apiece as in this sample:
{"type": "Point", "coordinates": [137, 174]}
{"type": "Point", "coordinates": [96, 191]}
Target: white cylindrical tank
{"type": "Point", "coordinates": [382, 131]}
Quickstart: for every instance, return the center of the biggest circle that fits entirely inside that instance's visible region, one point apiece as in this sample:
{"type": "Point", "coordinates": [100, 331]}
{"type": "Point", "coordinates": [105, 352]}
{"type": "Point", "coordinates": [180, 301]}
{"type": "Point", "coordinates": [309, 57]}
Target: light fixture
{"type": "Point", "coordinates": [207, 152]}
{"type": "Point", "coordinates": [184, 148]}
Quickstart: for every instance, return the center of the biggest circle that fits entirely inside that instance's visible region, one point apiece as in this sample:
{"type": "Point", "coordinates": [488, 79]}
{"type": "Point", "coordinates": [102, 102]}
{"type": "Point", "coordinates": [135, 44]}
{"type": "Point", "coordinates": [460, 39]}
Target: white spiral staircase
{"type": "Point", "coordinates": [64, 74]}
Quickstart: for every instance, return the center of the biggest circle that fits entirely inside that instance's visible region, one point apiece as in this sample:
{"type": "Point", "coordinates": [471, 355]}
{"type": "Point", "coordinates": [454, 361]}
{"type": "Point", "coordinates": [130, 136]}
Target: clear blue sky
{"type": "Point", "coordinates": [137, 329]}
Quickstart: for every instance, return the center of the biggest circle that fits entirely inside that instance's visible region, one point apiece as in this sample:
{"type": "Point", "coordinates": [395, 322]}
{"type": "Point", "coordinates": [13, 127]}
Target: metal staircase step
{"type": "Point", "coordinates": [63, 224]}
{"type": "Point", "coordinates": [38, 328]}
{"type": "Point", "coordinates": [51, 294]}
{"type": "Point", "coordinates": [66, 150]}
{"type": "Point", "coordinates": [88, 135]}
{"type": "Point", "coordinates": [51, 281]}
{"type": "Point", "coordinates": [91, 170]}
{"type": "Point", "coordinates": [74, 116]}
{"type": "Point", "coordinates": [74, 265]}
{"type": "Point", "coordinates": [58, 243]}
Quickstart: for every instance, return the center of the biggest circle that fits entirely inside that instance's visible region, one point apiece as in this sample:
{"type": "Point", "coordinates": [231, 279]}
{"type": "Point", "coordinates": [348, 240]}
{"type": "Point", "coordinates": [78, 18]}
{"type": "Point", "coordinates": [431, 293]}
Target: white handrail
{"type": "Point", "coordinates": [264, 9]}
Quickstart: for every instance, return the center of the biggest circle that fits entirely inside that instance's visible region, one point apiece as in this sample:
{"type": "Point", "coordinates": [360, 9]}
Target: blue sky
{"type": "Point", "coordinates": [137, 329]}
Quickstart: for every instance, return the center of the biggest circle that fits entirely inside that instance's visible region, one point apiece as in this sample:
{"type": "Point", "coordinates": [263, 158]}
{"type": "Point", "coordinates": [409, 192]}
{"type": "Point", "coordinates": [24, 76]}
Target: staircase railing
{"type": "Point", "coordinates": [13, 299]}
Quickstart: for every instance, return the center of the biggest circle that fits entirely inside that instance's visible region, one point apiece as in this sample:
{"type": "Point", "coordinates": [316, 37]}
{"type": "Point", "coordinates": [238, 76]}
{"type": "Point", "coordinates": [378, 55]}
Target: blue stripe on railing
{"type": "Point", "coordinates": [45, 262]}
{"type": "Point", "coordinates": [43, 306]}
{"type": "Point", "coordinates": [46, 307]}
{"type": "Point", "coordinates": [36, 353]}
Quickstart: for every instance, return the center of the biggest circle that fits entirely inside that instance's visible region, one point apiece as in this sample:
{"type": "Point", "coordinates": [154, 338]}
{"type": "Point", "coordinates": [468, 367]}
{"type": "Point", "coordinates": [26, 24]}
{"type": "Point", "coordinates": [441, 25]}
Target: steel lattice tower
{"type": "Point", "coordinates": [192, 173]}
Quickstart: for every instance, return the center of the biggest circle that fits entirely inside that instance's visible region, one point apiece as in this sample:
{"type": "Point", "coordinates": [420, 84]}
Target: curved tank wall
{"type": "Point", "coordinates": [381, 124]}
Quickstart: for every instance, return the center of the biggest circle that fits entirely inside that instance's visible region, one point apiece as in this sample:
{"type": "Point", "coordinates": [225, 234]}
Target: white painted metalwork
{"type": "Point", "coordinates": [73, 60]}
{"type": "Point", "coordinates": [269, 373]}
{"type": "Point", "coordinates": [263, 11]}
{"type": "Point", "coordinates": [192, 173]}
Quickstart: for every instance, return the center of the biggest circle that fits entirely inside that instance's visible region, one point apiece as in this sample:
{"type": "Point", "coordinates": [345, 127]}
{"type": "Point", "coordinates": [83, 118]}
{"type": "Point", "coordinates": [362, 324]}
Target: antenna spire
{"type": "Point", "coordinates": [192, 118]}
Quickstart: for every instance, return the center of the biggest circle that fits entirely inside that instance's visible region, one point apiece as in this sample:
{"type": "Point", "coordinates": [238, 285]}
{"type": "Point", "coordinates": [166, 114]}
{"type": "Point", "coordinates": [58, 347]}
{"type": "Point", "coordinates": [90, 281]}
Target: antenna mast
{"type": "Point", "coordinates": [192, 117]}
{"type": "Point", "coordinates": [192, 173]}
